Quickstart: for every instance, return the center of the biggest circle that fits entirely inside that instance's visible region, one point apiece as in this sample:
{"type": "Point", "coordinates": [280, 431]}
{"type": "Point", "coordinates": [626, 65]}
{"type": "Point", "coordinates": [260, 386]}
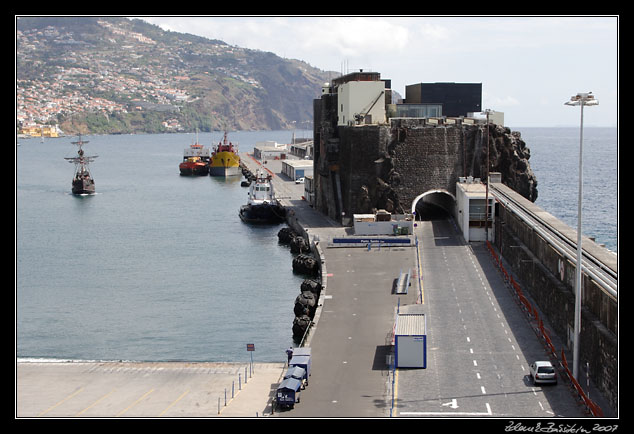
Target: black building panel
{"type": "Point", "coordinates": [457, 99]}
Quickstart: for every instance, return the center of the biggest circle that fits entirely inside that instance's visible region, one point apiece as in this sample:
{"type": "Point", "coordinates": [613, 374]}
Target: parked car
{"type": "Point", "coordinates": [543, 372]}
{"type": "Point", "coordinates": [299, 181]}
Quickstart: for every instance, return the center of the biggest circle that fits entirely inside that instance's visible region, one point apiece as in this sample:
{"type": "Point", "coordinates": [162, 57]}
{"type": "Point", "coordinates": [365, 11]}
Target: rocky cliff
{"type": "Point", "coordinates": [362, 168]}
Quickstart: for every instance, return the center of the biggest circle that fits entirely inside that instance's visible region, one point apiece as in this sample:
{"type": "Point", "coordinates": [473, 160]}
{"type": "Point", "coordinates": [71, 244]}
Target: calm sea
{"type": "Point", "coordinates": [555, 162]}
{"type": "Point", "coordinates": [157, 267]}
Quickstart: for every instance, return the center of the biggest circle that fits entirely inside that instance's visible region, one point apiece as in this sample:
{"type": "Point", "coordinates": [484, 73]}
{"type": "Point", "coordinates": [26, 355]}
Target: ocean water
{"type": "Point", "coordinates": [555, 162]}
{"type": "Point", "coordinates": [153, 267]}
{"type": "Point", "coordinates": [158, 267]}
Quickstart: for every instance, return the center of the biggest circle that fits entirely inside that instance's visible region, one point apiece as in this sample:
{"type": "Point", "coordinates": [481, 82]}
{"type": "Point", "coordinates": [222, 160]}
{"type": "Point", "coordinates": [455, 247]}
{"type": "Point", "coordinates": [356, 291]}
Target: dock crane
{"type": "Point", "coordinates": [360, 116]}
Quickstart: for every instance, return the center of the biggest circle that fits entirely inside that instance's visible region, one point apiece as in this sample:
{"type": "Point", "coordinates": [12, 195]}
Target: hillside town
{"type": "Point", "coordinates": [59, 74]}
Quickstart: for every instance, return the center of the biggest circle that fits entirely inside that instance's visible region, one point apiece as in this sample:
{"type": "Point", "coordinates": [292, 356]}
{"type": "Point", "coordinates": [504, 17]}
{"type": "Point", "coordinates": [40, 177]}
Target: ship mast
{"type": "Point", "coordinates": [81, 162]}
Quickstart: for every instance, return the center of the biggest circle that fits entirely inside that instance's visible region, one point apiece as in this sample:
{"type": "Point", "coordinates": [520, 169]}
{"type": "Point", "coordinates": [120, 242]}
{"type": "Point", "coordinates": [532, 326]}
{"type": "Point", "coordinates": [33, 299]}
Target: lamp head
{"type": "Point", "coordinates": [582, 98]}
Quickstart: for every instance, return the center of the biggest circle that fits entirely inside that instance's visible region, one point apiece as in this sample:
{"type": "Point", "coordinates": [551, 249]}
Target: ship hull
{"type": "Point", "coordinates": [199, 170]}
{"type": "Point", "coordinates": [225, 171]}
{"type": "Point", "coordinates": [225, 163]}
{"type": "Point", "coordinates": [262, 214]}
{"type": "Point", "coordinates": [83, 186]}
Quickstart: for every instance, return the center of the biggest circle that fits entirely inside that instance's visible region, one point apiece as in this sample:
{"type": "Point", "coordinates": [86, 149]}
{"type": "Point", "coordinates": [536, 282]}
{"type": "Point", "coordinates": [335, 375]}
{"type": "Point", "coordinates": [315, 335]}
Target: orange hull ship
{"type": "Point", "coordinates": [195, 161]}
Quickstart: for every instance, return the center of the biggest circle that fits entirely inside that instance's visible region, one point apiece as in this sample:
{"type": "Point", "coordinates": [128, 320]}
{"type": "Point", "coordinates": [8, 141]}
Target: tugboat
{"type": "Point", "coordinates": [195, 160]}
{"type": "Point", "coordinates": [262, 206]}
{"type": "Point", "coordinates": [225, 160]}
{"type": "Point", "coordinates": [83, 183]}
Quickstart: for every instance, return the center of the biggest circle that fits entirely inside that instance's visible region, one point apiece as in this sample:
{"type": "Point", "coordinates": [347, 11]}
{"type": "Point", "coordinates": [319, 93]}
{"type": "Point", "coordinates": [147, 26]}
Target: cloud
{"type": "Point", "coordinates": [501, 102]}
{"type": "Point", "coordinates": [523, 63]}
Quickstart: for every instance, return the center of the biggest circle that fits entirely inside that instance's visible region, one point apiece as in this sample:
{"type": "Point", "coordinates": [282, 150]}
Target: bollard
{"type": "Point", "coordinates": [218, 405]}
{"type": "Point", "coordinates": [233, 384]}
{"type": "Point", "coordinates": [239, 382]}
{"type": "Point", "coordinates": [225, 396]}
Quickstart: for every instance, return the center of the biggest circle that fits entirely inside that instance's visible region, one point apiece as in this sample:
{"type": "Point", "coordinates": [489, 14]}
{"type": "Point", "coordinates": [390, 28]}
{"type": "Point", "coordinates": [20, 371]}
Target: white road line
{"type": "Point", "coordinates": [447, 413]}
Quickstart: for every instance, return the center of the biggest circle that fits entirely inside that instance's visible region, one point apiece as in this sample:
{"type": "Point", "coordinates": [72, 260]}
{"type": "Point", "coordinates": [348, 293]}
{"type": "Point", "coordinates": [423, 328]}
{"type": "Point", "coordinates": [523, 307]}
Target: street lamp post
{"type": "Point", "coordinates": [486, 200]}
{"type": "Point", "coordinates": [581, 99]}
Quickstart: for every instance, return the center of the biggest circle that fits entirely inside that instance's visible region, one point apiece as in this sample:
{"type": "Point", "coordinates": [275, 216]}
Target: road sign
{"type": "Point", "coordinates": [250, 347]}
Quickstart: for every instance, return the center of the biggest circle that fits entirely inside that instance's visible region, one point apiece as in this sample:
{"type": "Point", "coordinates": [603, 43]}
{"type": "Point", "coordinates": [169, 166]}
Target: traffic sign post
{"type": "Point", "coordinates": [251, 349]}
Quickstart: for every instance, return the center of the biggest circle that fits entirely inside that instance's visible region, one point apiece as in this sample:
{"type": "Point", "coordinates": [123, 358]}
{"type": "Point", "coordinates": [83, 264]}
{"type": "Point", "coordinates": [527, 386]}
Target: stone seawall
{"type": "Point", "coordinates": [549, 278]}
{"type": "Point", "coordinates": [366, 167]}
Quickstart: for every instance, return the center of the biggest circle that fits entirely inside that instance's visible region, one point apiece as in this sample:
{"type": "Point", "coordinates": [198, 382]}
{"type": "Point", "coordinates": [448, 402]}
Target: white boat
{"type": "Point", "coordinates": [262, 205]}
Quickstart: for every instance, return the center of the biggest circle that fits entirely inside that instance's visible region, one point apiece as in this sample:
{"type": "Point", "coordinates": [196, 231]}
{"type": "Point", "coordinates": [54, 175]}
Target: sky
{"type": "Point", "coordinates": [529, 66]}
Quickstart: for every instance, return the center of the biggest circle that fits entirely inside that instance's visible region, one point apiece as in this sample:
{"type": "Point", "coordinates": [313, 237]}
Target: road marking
{"type": "Point", "coordinates": [447, 413]}
{"type": "Point", "coordinates": [420, 275]}
{"type": "Point", "coordinates": [135, 402]}
{"type": "Point", "coordinates": [172, 404]}
{"type": "Point", "coordinates": [452, 404]}
{"type": "Point", "coordinates": [484, 392]}
{"type": "Point", "coordinates": [61, 402]}
{"type": "Point", "coordinates": [95, 403]}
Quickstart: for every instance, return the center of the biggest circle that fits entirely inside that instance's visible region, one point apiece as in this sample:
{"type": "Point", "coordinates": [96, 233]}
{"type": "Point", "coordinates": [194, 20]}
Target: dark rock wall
{"type": "Point", "coordinates": [361, 168]}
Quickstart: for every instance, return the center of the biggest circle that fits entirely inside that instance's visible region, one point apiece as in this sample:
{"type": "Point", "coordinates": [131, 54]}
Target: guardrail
{"type": "Point", "coordinates": [533, 314]}
{"type": "Point", "coordinates": [604, 276]}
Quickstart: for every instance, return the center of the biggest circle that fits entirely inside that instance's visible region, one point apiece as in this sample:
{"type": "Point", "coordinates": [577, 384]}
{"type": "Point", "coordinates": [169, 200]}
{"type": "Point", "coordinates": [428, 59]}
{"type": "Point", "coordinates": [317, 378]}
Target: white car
{"type": "Point", "coordinates": [543, 372]}
{"type": "Point", "coordinates": [299, 181]}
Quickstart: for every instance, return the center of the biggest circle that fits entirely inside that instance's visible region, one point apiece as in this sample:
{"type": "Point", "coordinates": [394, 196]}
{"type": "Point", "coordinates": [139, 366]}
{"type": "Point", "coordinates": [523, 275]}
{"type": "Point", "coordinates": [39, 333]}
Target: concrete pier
{"type": "Point", "coordinates": [144, 389]}
{"type": "Point", "coordinates": [480, 344]}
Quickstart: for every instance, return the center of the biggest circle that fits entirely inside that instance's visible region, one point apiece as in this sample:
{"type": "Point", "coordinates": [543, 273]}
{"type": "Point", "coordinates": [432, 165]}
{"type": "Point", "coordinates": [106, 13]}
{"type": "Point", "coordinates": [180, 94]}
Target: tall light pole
{"type": "Point", "coordinates": [581, 99]}
{"type": "Point", "coordinates": [486, 200]}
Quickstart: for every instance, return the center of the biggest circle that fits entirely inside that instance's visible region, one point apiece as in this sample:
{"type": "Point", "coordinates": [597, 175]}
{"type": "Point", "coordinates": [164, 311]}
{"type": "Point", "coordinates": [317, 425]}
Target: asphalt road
{"type": "Point", "coordinates": [479, 341]}
{"type": "Point", "coordinates": [349, 372]}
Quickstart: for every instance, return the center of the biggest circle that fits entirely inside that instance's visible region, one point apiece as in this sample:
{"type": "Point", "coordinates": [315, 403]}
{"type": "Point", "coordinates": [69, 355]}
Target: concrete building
{"type": "Point", "coordinates": [296, 169]}
{"type": "Point", "coordinates": [383, 223]}
{"type": "Point", "coordinates": [361, 98]}
{"type": "Point", "coordinates": [456, 99]}
{"type": "Point", "coordinates": [471, 214]}
{"type": "Point", "coordinates": [361, 103]}
{"type": "Point", "coordinates": [270, 150]}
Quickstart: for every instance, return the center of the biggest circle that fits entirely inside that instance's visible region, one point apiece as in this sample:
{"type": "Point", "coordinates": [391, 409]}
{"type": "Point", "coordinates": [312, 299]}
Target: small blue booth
{"type": "Point", "coordinates": [288, 392]}
{"type": "Point", "coordinates": [302, 362]}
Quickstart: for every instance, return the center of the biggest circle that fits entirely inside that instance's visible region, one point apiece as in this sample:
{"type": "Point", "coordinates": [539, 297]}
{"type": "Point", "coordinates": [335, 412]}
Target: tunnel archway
{"type": "Point", "coordinates": [434, 205]}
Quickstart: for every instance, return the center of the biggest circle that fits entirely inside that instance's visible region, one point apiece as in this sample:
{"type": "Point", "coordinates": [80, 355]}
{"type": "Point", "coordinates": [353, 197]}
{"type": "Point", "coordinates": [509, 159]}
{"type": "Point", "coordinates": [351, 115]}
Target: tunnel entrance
{"type": "Point", "coordinates": [434, 205]}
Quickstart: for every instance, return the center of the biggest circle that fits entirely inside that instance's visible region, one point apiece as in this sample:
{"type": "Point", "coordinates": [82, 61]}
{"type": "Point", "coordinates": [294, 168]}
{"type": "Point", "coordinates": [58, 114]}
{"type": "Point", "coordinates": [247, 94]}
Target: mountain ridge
{"type": "Point", "coordinates": [119, 75]}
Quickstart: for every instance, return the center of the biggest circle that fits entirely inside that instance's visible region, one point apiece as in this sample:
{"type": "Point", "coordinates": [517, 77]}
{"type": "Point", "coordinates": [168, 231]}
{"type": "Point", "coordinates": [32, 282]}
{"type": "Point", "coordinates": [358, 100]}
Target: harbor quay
{"type": "Point", "coordinates": [480, 343]}
{"type": "Point", "coordinates": [478, 349]}
{"type": "Point", "coordinates": [93, 389]}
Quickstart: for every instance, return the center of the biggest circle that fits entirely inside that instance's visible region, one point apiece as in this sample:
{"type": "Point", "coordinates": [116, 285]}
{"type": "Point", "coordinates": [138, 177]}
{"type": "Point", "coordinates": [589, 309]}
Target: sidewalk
{"type": "Point", "coordinates": [256, 396]}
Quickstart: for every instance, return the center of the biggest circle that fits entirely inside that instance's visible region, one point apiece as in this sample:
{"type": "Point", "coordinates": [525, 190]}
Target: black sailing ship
{"type": "Point", "coordinates": [83, 183]}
